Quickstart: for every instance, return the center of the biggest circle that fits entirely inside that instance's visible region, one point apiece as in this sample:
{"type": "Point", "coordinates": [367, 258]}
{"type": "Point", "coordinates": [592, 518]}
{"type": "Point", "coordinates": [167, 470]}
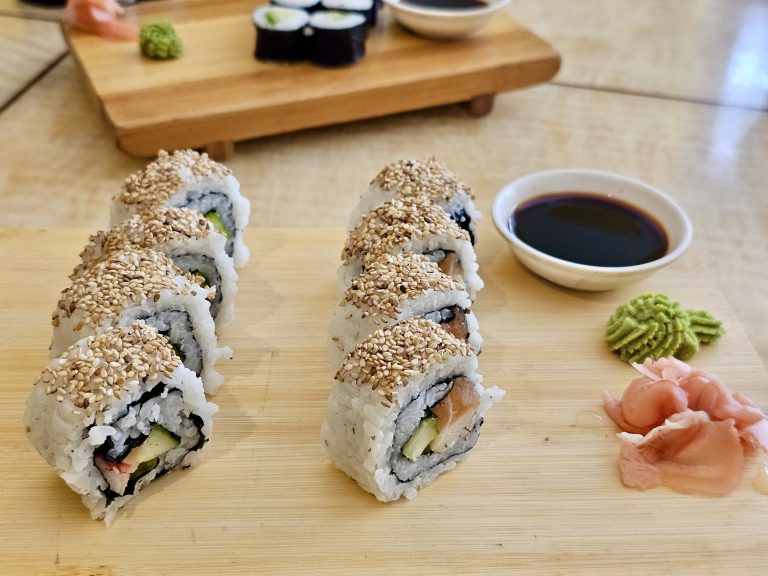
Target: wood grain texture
{"type": "Point", "coordinates": [539, 494]}
{"type": "Point", "coordinates": [709, 159]}
{"type": "Point", "coordinates": [217, 91]}
{"type": "Point", "coordinates": [27, 47]}
{"type": "Point", "coordinates": [701, 50]}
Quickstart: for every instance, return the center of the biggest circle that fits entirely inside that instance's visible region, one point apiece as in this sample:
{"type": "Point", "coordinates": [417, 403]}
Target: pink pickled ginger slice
{"type": "Point", "coordinates": [688, 453]}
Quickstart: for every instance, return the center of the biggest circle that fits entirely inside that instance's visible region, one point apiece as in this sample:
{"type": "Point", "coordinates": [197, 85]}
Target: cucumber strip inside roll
{"type": "Point", "coordinates": [217, 208]}
{"type": "Point", "coordinates": [435, 426]}
{"type": "Point", "coordinates": [148, 438]}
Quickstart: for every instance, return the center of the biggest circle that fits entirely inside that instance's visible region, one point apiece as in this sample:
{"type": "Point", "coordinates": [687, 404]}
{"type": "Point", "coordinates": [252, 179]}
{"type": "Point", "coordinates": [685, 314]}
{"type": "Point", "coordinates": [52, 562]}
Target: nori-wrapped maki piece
{"type": "Point", "coordinates": [280, 34]}
{"type": "Point", "coordinates": [338, 38]}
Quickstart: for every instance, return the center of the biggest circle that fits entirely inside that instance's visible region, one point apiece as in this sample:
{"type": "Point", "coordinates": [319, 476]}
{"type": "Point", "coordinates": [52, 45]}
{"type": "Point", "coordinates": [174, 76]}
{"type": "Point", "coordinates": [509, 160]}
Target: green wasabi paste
{"type": "Point", "coordinates": [653, 326]}
{"type": "Point", "coordinates": [159, 40]}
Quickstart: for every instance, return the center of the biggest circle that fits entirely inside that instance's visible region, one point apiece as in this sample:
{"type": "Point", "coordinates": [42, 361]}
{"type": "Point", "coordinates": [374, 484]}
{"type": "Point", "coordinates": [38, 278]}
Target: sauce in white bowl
{"type": "Point", "coordinates": [648, 208]}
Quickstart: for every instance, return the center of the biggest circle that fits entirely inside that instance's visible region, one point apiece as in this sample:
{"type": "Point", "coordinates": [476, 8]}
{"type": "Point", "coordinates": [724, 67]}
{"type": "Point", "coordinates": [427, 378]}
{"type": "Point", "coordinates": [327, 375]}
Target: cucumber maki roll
{"type": "Point", "coordinates": [337, 38]}
{"type": "Point", "coordinates": [406, 406]}
{"type": "Point", "coordinates": [396, 287]}
{"type": "Point", "coordinates": [187, 179]}
{"type": "Point", "coordinates": [366, 8]}
{"type": "Point", "coordinates": [280, 34]}
{"type": "Point", "coordinates": [115, 412]}
{"type": "Point", "coordinates": [430, 178]}
{"type": "Point", "coordinates": [188, 237]}
{"type": "Point", "coordinates": [410, 224]}
{"type": "Point", "coordinates": [141, 284]}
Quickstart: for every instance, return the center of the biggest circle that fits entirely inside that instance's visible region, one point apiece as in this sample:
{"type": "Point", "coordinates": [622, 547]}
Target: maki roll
{"type": "Point", "coordinates": [280, 34]}
{"type": "Point", "coordinates": [367, 8]}
{"type": "Point", "coordinates": [411, 224]}
{"type": "Point", "coordinates": [307, 5]}
{"type": "Point", "coordinates": [185, 235]}
{"type": "Point", "coordinates": [430, 178]}
{"type": "Point", "coordinates": [187, 179]}
{"type": "Point", "coordinates": [406, 406]}
{"type": "Point", "coordinates": [141, 284]}
{"type": "Point", "coordinates": [337, 38]}
{"type": "Point", "coordinates": [116, 411]}
{"type": "Point", "coordinates": [396, 287]}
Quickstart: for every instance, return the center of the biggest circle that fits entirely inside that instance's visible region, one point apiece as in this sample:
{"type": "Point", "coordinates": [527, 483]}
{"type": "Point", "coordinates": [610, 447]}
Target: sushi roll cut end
{"type": "Point", "coordinates": [338, 38]}
{"type": "Point", "coordinates": [280, 34]}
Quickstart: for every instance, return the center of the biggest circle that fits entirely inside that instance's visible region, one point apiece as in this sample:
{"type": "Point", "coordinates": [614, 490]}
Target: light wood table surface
{"type": "Point", "coordinates": [673, 93]}
{"type": "Point", "coordinates": [540, 493]}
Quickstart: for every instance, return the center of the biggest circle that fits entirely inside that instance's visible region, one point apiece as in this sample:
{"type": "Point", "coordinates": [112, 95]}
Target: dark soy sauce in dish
{"type": "Point", "coordinates": [450, 4]}
{"type": "Point", "coordinates": [589, 229]}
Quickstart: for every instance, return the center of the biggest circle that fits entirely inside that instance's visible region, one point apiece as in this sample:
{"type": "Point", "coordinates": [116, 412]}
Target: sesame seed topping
{"type": "Point", "coordinates": [388, 228]}
{"type": "Point", "coordinates": [142, 350]}
{"type": "Point", "coordinates": [132, 275]}
{"type": "Point", "coordinates": [154, 226]}
{"type": "Point", "coordinates": [391, 280]}
{"type": "Point", "coordinates": [421, 178]}
{"type": "Point", "coordinates": [167, 175]}
{"type": "Point", "coordinates": [389, 358]}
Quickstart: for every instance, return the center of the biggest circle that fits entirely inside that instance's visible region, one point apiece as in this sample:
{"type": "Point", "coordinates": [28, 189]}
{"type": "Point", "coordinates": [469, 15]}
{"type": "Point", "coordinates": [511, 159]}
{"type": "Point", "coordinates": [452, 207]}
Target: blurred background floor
{"type": "Point", "coordinates": [672, 93]}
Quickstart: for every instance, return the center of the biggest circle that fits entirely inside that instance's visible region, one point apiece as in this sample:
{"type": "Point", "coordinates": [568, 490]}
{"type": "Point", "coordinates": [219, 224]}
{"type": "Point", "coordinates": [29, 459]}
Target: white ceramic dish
{"type": "Point", "coordinates": [580, 276]}
{"type": "Point", "coordinates": [443, 23]}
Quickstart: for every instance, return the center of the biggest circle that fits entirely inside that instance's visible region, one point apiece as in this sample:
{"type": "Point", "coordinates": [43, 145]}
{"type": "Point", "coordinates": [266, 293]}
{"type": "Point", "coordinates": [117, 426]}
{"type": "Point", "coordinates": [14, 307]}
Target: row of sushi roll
{"type": "Point", "coordinates": [134, 347]}
{"type": "Point", "coordinates": [407, 402]}
{"type": "Point", "coordinates": [325, 32]}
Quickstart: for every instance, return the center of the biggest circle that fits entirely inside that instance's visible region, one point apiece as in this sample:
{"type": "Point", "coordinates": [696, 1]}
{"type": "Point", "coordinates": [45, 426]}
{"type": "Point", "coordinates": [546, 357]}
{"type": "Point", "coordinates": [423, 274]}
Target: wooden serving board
{"type": "Point", "coordinates": [540, 494]}
{"type": "Point", "coordinates": [218, 93]}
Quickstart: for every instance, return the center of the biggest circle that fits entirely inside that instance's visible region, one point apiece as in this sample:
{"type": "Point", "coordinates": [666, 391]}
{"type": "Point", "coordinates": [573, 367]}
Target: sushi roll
{"type": "Point", "coordinates": [307, 5]}
{"type": "Point", "coordinates": [141, 284]}
{"type": "Point", "coordinates": [185, 235]}
{"type": "Point", "coordinates": [337, 38]}
{"type": "Point", "coordinates": [430, 178]}
{"type": "Point", "coordinates": [406, 406]}
{"type": "Point", "coordinates": [411, 224]}
{"type": "Point", "coordinates": [396, 287]}
{"type": "Point", "coordinates": [280, 34]}
{"type": "Point", "coordinates": [367, 8]}
{"type": "Point", "coordinates": [187, 179]}
{"type": "Point", "coordinates": [115, 412]}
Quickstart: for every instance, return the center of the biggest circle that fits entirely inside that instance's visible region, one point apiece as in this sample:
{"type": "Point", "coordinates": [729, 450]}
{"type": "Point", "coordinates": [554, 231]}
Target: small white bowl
{"type": "Point", "coordinates": [443, 23]}
{"type": "Point", "coordinates": [581, 276]}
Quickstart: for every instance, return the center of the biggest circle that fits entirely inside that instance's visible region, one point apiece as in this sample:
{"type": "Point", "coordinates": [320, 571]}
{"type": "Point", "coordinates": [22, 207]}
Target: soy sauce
{"type": "Point", "coordinates": [450, 4]}
{"type": "Point", "coordinates": [589, 229]}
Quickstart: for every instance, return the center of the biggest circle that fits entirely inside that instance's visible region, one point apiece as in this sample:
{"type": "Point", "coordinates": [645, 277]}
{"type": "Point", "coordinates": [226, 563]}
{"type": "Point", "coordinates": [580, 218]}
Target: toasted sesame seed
{"type": "Point", "coordinates": [132, 275]}
{"type": "Point", "coordinates": [389, 358]}
{"type": "Point", "coordinates": [429, 178]}
{"type": "Point", "coordinates": [391, 280]}
{"type": "Point", "coordinates": [95, 394]}
{"type": "Point", "coordinates": [167, 175]}
{"type": "Point", "coordinates": [388, 228]}
{"type": "Point", "coordinates": [154, 227]}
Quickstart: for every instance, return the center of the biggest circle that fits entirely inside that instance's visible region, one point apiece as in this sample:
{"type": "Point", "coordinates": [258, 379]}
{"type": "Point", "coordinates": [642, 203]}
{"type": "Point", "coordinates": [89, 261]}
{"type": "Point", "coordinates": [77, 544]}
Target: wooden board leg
{"type": "Point", "coordinates": [220, 151]}
{"type": "Point", "coordinates": [479, 105]}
